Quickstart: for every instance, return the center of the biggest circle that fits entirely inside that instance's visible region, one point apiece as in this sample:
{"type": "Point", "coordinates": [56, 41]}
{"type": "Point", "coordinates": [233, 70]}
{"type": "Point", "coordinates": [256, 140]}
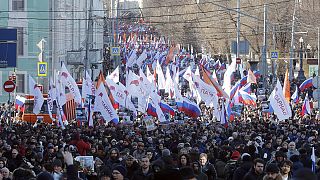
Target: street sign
{"type": "Point", "coordinates": [9, 86]}
{"type": "Point", "coordinates": [274, 55]}
{"type": "Point", "coordinates": [115, 51]}
{"type": "Point", "coordinates": [42, 69]}
{"type": "Point", "coordinates": [8, 47]}
{"type": "Point", "coordinates": [238, 60]}
{"type": "Point", "coordinates": [316, 82]}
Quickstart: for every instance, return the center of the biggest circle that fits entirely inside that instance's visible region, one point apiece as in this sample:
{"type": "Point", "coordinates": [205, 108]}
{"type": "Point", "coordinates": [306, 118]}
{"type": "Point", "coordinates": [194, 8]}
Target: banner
{"type": "Point", "coordinates": [149, 123]}
{"type": "Point", "coordinates": [279, 104]}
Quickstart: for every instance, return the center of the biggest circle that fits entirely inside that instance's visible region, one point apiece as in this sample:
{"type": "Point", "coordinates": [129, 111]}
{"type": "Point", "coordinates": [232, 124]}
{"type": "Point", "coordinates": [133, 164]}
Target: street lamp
{"type": "Point", "coordinates": [301, 76]}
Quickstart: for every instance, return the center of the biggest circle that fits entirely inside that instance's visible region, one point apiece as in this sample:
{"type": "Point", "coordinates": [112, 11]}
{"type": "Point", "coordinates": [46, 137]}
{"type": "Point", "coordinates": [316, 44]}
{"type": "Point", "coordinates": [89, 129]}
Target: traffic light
{"type": "Point", "coordinates": [14, 78]}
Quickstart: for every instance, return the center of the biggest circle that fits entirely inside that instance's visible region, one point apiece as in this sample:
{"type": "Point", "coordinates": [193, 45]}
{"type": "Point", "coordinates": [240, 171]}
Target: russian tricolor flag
{"type": "Point", "coordinates": [191, 109]}
{"type": "Point", "coordinates": [243, 81]}
{"type": "Point", "coordinates": [247, 88]}
{"type": "Point", "coordinates": [295, 96]}
{"type": "Point", "coordinates": [257, 74]}
{"type": "Point", "coordinates": [306, 109]}
{"type": "Point", "coordinates": [166, 108]}
{"type": "Point", "coordinates": [247, 99]}
{"type": "Point", "coordinates": [151, 110]}
{"type": "Point", "coordinates": [19, 103]}
{"type": "Point", "coordinates": [306, 84]}
{"type": "Point", "coordinates": [234, 89]}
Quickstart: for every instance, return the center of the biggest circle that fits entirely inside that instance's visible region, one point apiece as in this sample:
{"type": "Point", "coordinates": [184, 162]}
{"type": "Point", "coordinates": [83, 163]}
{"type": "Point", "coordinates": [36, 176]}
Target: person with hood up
{"type": "Point", "coordinates": [81, 145]}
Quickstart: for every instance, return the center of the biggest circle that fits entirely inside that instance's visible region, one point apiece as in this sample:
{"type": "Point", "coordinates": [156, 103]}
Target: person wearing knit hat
{"type": "Point", "coordinates": [235, 155]}
{"type": "Point", "coordinates": [119, 172]}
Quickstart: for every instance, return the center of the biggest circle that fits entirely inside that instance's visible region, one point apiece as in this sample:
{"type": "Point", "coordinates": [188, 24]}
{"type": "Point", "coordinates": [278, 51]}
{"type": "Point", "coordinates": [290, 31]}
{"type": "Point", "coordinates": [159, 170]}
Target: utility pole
{"type": "Point", "coordinates": [292, 41]}
{"type": "Point", "coordinates": [264, 50]}
{"type": "Point", "coordinates": [89, 36]}
{"type": "Point", "coordinates": [238, 30]}
{"type": "Point", "coordinates": [273, 69]}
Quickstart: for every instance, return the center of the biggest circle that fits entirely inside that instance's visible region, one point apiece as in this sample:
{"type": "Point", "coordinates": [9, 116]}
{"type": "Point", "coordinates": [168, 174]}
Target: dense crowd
{"type": "Point", "coordinates": [257, 149]}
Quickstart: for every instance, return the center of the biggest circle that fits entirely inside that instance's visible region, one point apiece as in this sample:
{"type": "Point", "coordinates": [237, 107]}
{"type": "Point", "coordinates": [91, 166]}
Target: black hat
{"type": "Point", "coordinates": [121, 169]}
{"type": "Point", "coordinates": [272, 168]}
{"type": "Point", "coordinates": [280, 154]}
{"type": "Point", "coordinates": [44, 176]}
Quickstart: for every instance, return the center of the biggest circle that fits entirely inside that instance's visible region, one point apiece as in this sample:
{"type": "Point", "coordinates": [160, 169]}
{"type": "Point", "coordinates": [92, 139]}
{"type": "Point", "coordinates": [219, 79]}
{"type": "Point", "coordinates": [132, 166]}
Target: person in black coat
{"type": "Point", "coordinates": [256, 172]}
{"type": "Point", "coordinates": [207, 167]}
{"type": "Point", "coordinates": [145, 172]}
{"type": "Point", "coordinates": [244, 167]}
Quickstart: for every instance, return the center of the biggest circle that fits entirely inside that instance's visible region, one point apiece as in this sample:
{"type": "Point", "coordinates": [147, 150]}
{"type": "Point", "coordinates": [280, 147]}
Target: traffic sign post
{"type": "Point", "coordinates": [274, 55]}
{"type": "Point", "coordinates": [238, 60]}
{"type": "Point", "coordinates": [9, 86]}
{"type": "Point", "coordinates": [42, 69]}
{"type": "Point", "coordinates": [115, 51]}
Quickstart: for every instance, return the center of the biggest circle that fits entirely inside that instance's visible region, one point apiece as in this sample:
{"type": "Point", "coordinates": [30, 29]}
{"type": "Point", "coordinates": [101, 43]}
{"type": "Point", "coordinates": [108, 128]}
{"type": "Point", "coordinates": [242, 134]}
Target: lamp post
{"type": "Point", "coordinates": [301, 76]}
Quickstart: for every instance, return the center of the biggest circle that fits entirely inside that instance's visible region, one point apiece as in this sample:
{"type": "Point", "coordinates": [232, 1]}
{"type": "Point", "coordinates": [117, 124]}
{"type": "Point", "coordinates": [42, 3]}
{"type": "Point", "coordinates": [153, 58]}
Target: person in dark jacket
{"type": "Point", "coordinates": [145, 172]}
{"type": "Point", "coordinates": [244, 167]}
{"type": "Point", "coordinates": [169, 171]}
{"type": "Point", "coordinates": [197, 171]}
{"type": "Point", "coordinates": [113, 158]}
{"type": "Point", "coordinates": [132, 166]}
{"type": "Point", "coordinates": [15, 160]}
{"type": "Point", "coordinates": [256, 172]}
{"type": "Point", "coordinates": [207, 167]}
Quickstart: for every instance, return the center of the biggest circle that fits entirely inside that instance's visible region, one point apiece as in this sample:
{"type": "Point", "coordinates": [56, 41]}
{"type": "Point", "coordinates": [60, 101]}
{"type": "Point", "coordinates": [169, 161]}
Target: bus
{"type": "Point", "coordinates": [28, 116]}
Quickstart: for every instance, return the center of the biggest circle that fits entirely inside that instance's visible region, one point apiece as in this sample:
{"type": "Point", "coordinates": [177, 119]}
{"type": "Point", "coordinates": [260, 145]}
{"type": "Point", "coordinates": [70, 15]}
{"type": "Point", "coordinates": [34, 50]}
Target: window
{"type": "Point", "coordinates": [18, 5]}
{"type": "Point", "coordinates": [20, 41]}
{"type": "Point", "coordinates": [20, 83]}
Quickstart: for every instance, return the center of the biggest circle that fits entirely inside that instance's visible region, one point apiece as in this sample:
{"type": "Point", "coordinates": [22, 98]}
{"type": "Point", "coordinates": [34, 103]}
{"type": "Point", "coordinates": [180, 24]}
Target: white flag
{"type": "Point", "coordinates": [60, 91]}
{"type": "Point", "coordinates": [279, 104]}
{"type": "Point", "coordinates": [120, 94]}
{"type": "Point", "coordinates": [52, 96]}
{"type": "Point", "coordinates": [141, 58]}
{"type": "Point", "coordinates": [114, 76]}
{"type": "Point", "coordinates": [68, 81]}
{"type": "Point", "coordinates": [38, 97]}
{"type": "Point", "coordinates": [132, 59]}
{"type": "Point", "coordinates": [88, 87]}
{"type": "Point", "coordinates": [150, 76]}
{"type": "Point", "coordinates": [188, 76]}
{"type": "Point", "coordinates": [104, 106]}
{"type": "Point", "coordinates": [206, 92]}
{"type": "Point", "coordinates": [228, 76]}
{"type": "Point", "coordinates": [169, 84]}
{"type": "Point", "coordinates": [161, 79]}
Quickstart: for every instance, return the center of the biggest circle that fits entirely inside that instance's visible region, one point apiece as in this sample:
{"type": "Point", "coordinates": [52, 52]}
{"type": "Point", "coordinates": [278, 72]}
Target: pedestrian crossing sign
{"type": "Point", "coordinates": [42, 69]}
{"type": "Point", "coordinates": [115, 51]}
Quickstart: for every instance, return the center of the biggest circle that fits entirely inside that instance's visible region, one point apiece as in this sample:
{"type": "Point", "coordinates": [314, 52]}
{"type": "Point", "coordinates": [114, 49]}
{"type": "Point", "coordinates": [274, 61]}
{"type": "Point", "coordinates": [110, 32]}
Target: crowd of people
{"type": "Point", "coordinates": [261, 148]}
